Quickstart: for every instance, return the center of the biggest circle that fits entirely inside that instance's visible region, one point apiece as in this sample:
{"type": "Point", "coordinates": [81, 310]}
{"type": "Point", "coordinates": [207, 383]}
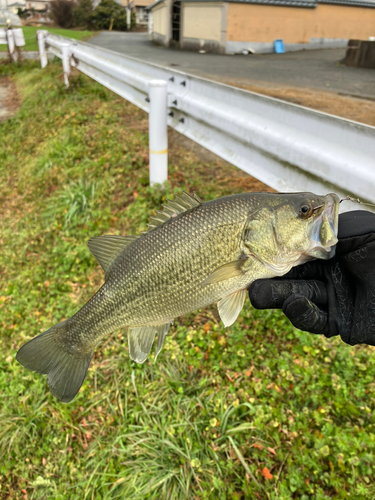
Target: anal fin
{"type": "Point", "coordinates": [162, 331]}
{"type": "Point", "coordinates": [141, 338]}
{"type": "Point", "coordinates": [230, 307]}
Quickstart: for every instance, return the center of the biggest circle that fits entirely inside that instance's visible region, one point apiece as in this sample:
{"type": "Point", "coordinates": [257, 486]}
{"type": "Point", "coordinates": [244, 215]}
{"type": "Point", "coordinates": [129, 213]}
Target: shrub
{"type": "Point", "coordinates": [62, 12]}
{"type": "Point", "coordinates": [104, 12]}
{"type": "Point", "coordinates": [82, 14]}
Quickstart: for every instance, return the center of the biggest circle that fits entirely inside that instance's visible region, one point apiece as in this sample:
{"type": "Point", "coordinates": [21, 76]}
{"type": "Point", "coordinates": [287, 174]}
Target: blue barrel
{"type": "Point", "coordinates": [279, 46]}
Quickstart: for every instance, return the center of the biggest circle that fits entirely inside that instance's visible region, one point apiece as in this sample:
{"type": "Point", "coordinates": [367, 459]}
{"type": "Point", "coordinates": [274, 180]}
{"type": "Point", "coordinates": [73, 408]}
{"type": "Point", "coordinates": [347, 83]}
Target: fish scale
{"type": "Point", "coordinates": [194, 254]}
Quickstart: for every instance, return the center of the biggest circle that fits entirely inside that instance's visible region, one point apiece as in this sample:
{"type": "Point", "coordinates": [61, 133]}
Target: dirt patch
{"type": "Point", "coordinates": [361, 110]}
{"type": "Point", "coordinates": [10, 100]}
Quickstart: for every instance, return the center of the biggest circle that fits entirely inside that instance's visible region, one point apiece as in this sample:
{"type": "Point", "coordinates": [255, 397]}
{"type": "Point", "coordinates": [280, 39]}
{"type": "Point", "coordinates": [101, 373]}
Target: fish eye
{"type": "Point", "coordinates": [305, 210]}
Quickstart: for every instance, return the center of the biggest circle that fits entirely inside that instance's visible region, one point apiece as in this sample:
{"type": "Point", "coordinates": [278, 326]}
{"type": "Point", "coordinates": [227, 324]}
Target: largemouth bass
{"type": "Point", "coordinates": [193, 254]}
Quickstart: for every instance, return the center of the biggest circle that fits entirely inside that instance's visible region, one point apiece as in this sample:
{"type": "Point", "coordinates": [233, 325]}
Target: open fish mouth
{"type": "Point", "coordinates": [324, 230]}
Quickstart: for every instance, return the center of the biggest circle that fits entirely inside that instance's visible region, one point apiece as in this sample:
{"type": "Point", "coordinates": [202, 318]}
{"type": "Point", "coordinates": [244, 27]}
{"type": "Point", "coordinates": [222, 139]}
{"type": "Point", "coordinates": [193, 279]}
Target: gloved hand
{"type": "Point", "coordinates": [333, 297]}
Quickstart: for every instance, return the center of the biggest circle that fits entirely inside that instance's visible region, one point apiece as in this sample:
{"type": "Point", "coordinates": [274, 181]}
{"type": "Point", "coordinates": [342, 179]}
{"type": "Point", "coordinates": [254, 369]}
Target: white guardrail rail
{"type": "Point", "coordinates": [286, 146]}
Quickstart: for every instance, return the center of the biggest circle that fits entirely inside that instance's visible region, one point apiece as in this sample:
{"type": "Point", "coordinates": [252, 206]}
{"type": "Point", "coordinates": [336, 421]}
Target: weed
{"type": "Point", "coordinates": [76, 202]}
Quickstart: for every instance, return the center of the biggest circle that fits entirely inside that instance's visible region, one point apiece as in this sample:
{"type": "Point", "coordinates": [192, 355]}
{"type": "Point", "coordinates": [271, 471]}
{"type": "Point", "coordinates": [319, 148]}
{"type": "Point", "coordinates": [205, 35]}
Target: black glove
{"type": "Point", "coordinates": [330, 297]}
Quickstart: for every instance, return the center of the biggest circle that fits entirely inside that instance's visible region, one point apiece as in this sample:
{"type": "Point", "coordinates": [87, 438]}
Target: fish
{"type": "Point", "coordinates": [193, 254]}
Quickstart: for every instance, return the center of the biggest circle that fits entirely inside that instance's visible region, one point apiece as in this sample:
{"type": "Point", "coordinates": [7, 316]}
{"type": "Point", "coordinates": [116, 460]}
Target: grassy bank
{"type": "Point", "coordinates": [29, 32]}
{"type": "Point", "coordinates": [259, 410]}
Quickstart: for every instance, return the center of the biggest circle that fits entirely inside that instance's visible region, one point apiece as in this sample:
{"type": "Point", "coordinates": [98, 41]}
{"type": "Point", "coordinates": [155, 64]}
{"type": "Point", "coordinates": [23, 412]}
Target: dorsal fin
{"type": "Point", "coordinates": [179, 205]}
{"type": "Point", "coordinates": [108, 247]}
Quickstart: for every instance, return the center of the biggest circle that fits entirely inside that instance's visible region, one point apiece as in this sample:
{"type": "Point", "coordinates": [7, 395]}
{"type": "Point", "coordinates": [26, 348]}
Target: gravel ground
{"type": "Point", "coordinates": [309, 69]}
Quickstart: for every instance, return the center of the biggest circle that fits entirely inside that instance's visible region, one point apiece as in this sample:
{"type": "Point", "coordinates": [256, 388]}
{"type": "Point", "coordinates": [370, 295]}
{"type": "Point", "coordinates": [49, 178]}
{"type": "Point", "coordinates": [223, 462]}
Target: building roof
{"type": "Point", "coordinates": [355, 3]}
{"type": "Point", "coordinates": [288, 3]}
{"type": "Point", "coordinates": [154, 4]}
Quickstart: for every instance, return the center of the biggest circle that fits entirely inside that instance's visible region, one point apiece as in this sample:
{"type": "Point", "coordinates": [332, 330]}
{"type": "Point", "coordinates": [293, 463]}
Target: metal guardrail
{"type": "Point", "coordinates": [13, 37]}
{"type": "Point", "coordinates": [286, 146]}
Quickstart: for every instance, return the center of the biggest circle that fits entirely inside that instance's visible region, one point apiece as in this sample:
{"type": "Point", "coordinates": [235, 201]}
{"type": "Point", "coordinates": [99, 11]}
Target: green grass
{"type": "Point", "coordinates": [31, 43]}
{"type": "Point", "coordinates": [220, 408]}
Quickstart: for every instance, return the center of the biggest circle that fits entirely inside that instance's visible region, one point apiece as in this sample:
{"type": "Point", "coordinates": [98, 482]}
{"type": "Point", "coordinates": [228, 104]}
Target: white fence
{"type": "Point", "coordinates": [288, 147]}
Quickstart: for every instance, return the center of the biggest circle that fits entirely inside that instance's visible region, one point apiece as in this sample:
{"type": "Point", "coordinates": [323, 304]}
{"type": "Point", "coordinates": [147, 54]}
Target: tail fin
{"type": "Point", "coordinates": [46, 354]}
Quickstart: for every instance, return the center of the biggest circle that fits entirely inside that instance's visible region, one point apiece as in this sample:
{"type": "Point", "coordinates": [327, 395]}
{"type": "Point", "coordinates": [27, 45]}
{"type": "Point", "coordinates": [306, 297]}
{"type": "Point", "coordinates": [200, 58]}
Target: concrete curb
{"type": "Point", "coordinates": [31, 55]}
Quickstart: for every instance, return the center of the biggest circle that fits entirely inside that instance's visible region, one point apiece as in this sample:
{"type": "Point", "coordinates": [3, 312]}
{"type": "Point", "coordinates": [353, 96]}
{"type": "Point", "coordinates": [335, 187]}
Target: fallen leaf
{"type": "Point", "coordinates": [258, 445]}
{"type": "Point", "coordinates": [271, 450]}
{"type": "Point", "coordinates": [266, 473]}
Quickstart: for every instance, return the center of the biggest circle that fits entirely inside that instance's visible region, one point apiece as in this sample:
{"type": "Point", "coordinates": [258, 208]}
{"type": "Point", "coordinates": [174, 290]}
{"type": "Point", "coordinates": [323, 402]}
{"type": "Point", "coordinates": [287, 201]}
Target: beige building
{"type": "Point", "coordinates": [141, 14]}
{"type": "Point", "coordinates": [139, 7]}
{"type": "Point", "coordinates": [240, 25]}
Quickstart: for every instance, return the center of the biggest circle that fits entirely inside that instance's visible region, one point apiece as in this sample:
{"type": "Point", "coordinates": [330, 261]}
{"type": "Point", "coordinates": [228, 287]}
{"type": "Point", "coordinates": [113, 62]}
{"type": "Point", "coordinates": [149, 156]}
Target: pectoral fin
{"type": "Point", "coordinates": [230, 307]}
{"type": "Point", "coordinates": [225, 272]}
{"type": "Point", "coordinates": [141, 338]}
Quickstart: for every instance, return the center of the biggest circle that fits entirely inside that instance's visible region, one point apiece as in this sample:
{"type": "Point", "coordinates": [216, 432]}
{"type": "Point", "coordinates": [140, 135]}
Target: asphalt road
{"type": "Point", "coordinates": [314, 69]}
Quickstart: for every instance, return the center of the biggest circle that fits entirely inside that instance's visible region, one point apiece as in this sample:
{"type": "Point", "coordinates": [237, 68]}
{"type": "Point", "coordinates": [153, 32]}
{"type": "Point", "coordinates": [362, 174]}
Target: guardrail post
{"type": "Point", "coordinates": [65, 51]}
{"type": "Point", "coordinates": [158, 138]}
{"type": "Point", "coordinates": [11, 45]}
{"type": "Point", "coordinates": [42, 48]}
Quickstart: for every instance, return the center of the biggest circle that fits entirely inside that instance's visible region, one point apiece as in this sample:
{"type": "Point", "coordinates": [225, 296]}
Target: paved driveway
{"type": "Point", "coordinates": [316, 69]}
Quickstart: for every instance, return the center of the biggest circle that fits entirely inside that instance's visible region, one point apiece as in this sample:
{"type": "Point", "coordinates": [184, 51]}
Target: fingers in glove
{"type": "Point", "coordinates": [311, 270]}
{"type": "Point", "coordinates": [305, 315]}
{"type": "Point", "coordinates": [271, 294]}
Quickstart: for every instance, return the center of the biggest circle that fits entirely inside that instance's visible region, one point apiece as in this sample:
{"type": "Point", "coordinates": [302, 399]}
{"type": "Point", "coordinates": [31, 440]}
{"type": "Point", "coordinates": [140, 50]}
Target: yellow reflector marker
{"type": "Point", "coordinates": [159, 152]}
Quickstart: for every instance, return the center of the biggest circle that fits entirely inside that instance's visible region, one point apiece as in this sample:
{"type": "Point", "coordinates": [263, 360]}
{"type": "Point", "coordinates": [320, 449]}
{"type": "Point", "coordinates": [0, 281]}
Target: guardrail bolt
{"type": "Point", "coordinates": [171, 113]}
{"type": "Point", "coordinates": [183, 83]}
{"type": "Point", "coordinates": [182, 120]}
{"type": "Point", "coordinates": [171, 79]}
{"type": "Point", "coordinates": [174, 102]}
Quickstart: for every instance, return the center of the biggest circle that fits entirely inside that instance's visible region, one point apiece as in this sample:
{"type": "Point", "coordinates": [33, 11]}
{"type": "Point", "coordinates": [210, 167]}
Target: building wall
{"type": "Point", "coordinates": [265, 23]}
{"type": "Point", "coordinates": [37, 5]}
{"type": "Point", "coordinates": [159, 17]}
{"type": "Point", "coordinates": [202, 20]}
{"type": "Point", "coordinates": [139, 3]}
{"type": "Point", "coordinates": [344, 21]}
